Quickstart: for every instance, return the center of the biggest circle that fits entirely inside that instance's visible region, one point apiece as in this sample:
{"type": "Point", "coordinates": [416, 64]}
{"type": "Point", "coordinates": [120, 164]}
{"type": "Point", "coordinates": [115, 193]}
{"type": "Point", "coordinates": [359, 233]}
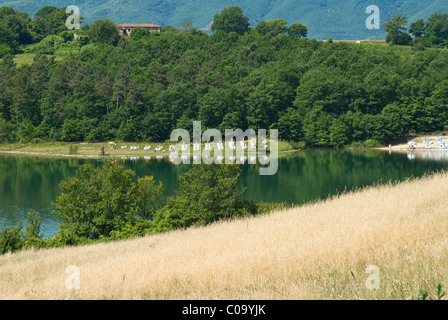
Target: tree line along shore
{"type": "Point", "coordinates": [106, 87]}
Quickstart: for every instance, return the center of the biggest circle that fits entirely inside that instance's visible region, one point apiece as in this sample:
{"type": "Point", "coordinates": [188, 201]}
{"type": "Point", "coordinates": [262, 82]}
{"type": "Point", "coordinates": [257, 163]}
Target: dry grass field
{"type": "Point", "coordinates": [317, 251]}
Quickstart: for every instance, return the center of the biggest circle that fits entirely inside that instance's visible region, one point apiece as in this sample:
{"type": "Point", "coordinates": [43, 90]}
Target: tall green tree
{"type": "Point", "coordinates": [437, 29]}
{"type": "Point", "coordinates": [298, 30]}
{"type": "Point", "coordinates": [272, 28]}
{"type": "Point", "coordinates": [6, 130]}
{"type": "Point", "coordinates": [316, 127]}
{"type": "Point", "coordinates": [290, 125]}
{"type": "Point", "coordinates": [104, 31]}
{"type": "Point", "coordinates": [339, 132]}
{"type": "Point", "coordinates": [395, 28]}
{"type": "Point", "coordinates": [49, 21]}
{"type": "Point", "coordinates": [14, 29]}
{"type": "Point", "coordinates": [231, 19]}
{"type": "Point", "coordinates": [207, 193]}
{"type": "Point", "coordinates": [96, 202]}
{"type": "Point", "coordinates": [418, 28]}
{"type": "Point", "coordinates": [139, 34]}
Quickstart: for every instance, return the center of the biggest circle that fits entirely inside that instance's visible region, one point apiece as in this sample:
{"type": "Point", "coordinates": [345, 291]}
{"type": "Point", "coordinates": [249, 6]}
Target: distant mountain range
{"type": "Point", "coordinates": [338, 19]}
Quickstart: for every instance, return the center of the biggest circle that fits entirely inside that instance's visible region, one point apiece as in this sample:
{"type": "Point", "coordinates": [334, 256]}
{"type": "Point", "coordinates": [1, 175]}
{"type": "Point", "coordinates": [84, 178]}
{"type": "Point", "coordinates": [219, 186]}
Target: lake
{"type": "Point", "coordinates": [32, 182]}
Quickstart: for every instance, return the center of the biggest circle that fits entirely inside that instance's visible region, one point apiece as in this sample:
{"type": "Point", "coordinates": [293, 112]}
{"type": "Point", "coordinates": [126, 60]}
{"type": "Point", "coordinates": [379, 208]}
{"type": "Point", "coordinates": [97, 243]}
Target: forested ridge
{"type": "Point", "coordinates": [269, 76]}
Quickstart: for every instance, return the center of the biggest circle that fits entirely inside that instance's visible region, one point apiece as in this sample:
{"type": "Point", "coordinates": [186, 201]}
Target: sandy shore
{"type": "Point", "coordinates": [435, 152]}
{"type": "Point", "coordinates": [434, 143]}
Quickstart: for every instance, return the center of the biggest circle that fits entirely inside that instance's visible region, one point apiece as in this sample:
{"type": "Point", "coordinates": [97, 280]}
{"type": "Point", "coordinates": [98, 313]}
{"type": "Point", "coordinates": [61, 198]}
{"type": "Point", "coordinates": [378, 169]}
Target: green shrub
{"type": "Point", "coordinates": [17, 238]}
{"type": "Point", "coordinates": [268, 207]}
{"type": "Point", "coordinates": [5, 49]}
{"type": "Point", "coordinates": [6, 129]}
{"type": "Point", "coordinates": [26, 132]}
{"type": "Point", "coordinates": [49, 44]}
{"type": "Point", "coordinates": [96, 202]}
{"type": "Point", "coordinates": [439, 291]}
{"type": "Point", "coordinates": [139, 229]}
{"type": "Point", "coordinates": [422, 295]}
{"type": "Point", "coordinates": [356, 145]}
{"type": "Point", "coordinates": [71, 131]}
{"type": "Point", "coordinates": [33, 226]}
{"type": "Point", "coordinates": [66, 237]}
{"type": "Point", "coordinates": [298, 145]}
{"type": "Point", "coordinates": [10, 239]}
{"type": "Point", "coordinates": [207, 193]}
{"type": "Point", "coordinates": [372, 143]}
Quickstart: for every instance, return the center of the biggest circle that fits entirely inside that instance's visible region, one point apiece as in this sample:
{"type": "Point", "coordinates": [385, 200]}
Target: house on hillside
{"type": "Point", "coordinates": [126, 29]}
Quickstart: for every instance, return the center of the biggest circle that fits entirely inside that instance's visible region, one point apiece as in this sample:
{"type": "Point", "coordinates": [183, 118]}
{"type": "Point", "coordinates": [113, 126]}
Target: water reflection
{"type": "Point", "coordinates": [438, 156]}
{"type": "Point", "coordinates": [32, 182]}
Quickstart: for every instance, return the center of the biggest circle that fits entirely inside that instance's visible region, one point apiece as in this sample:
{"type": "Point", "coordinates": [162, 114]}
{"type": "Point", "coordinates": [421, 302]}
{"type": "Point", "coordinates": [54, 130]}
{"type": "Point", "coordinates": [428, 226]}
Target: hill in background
{"type": "Point", "coordinates": [343, 20]}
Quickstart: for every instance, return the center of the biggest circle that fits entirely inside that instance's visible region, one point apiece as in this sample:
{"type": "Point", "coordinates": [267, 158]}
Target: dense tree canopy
{"type": "Point", "coordinates": [418, 28]}
{"type": "Point", "coordinates": [231, 19]}
{"type": "Point", "coordinates": [49, 20]}
{"type": "Point", "coordinates": [298, 30]}
{"type": "Point", "coordinates": [14, 30]}
{"type": "Point", "coordinates": [144, 86]}
{"type": "Point", "coordinates": [104, 31]}
{"type": "Point", "coordinates": [98, 201]}
{"type": "Point", "coordinates": [432, 33]}
{"type": "Point", "coordinates": [436, 30]}
{"type": "Point", "coordinates": [207, 193]}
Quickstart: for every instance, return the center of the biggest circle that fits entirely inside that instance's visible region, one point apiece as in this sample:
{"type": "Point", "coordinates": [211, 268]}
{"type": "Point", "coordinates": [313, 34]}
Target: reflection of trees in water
{"type": "Point", "coordinates": [316, 174]}
{"type": "Point", "coordinates": [31, 182]}
{"type": "Point", "coordinates": [303, 176]}
{"type": "Point", "coordinates": [29, 179]}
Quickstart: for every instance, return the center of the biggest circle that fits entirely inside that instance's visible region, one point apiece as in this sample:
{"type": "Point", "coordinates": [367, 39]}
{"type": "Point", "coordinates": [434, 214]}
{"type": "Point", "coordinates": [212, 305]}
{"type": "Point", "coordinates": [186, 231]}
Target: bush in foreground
{"type": "Point", "coordinates": [109, 203]}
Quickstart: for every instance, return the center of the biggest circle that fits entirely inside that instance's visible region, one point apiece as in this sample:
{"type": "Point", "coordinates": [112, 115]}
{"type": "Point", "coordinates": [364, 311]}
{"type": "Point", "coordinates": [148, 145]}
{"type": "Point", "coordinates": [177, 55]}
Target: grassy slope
{"type": "Point", "coordinates": [316, 251]}
{"type": "Point", "coordinates": [26, 55]}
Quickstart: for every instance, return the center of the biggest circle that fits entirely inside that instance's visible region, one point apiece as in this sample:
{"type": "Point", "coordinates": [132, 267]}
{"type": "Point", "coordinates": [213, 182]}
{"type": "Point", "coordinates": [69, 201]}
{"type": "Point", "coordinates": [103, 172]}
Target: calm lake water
{"type": "Point", "coordinates": [32, 182]}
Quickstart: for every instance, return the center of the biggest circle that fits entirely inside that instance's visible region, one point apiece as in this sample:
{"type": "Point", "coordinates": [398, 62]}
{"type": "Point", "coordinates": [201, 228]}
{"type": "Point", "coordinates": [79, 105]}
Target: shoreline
{"type": "Point", "coordinates": [92, 156]}
{"type": "Point", "coordinates": [434, 143]}
{"type": "Point", "coordinates": [100, 150]}
{"type": "Point", "coordinates": [46, 154]}
{"type": "Point", "coordinates": [92, 150]}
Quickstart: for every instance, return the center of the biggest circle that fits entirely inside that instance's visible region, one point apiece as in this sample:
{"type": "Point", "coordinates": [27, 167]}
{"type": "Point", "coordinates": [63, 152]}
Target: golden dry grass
{"type": "Point", "coordinates": [318, 251]}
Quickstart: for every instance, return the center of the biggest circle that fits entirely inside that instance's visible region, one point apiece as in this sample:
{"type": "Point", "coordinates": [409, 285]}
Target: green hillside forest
{"type": "Point", "coordinates": [101, 86]}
